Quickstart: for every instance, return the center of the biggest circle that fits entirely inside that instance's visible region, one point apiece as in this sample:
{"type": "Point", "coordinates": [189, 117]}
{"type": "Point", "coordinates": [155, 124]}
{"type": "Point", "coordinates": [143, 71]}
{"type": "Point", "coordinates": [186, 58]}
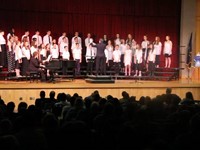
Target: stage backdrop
{"type": "Point", "coordinates": [137, 17]}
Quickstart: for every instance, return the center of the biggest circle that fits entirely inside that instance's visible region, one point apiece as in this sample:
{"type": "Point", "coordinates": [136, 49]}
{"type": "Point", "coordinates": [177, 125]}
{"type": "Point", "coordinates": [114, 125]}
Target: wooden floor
{"type": "Point", "coordinates": [28, 92]}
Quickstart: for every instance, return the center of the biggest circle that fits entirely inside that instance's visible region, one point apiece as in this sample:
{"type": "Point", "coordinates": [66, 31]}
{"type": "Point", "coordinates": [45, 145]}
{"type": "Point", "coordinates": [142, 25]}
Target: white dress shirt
{"type": "Point", "coordinates": [128, 57]}
{"type": "Point", "coordinates": [60, 39]}
{"type": "Point", "coordinates": [43, 52]}
{"type": "Point", "coordinates": [117, 41]}
{"type": "Point", "coordinates": [77, 53]}
{"type": "Point", "coordinates": [79, 41]}
{"type": "Point", "coordinates": [88, 41]}
{"type": "Point", "coordinates": [138, 56]}
{"type": "Point", "coordinates": [167, 47]}
{"type": "Point", "coordinates": [2, 40]}
{"type": "Point", "coordinates": [109, 50]}
{"type": "Point", "coordinates": [47, 39]}
{"type": "Point", "coordinates": [28, 39]}
{"type": "Point", "coordinates": [117, 56]}
{"type": "Point", "coordinates": [152, 56]}
{"type": "Point", "coordinates": [66, 54]}
{"type": "Point", "coordinates": [158, 48]}
{"type": "Point", "coordinates": [122, 48]}
{"type": "Point", "coordinates": [8, 36]}
{"type": "Point", "coordinates": [18, 52]}
{"type": "Point", "coordinates": [26, 53]}
{"type": "Point", "coordinates": [90, 53]}
{"type": "Point", "coordinates": [38, 39]}
{"type": "Point", "coordinates": [145, 44]}
{"type": "Point", "coordinates": [62, 45]}
{"type": "Point", "coordinates": [33, 49]}
{"type": "Point", "coordinates": [54, 52]}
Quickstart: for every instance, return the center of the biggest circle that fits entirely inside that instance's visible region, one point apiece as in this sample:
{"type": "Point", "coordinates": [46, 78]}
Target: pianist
{"type": "Point", "coordinates": [35, 66]}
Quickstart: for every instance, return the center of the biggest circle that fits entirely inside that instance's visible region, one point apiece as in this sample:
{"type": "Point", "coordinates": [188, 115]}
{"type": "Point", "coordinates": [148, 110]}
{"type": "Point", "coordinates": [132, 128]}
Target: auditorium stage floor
{"type": "Point", "coordinates": [82, 84]}
{"type": "Point", "coordinates": [26, 91]}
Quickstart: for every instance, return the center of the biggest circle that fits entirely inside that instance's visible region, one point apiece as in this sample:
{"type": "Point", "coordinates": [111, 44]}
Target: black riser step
{"type": "Point", "coordinates": [164, 72]}
{"type": "Point", "coordinates": [168, 69]}
{"type": "Point", "coordinates": [103, 77]}
{"type": "Point", "coordinates": [99, 81]}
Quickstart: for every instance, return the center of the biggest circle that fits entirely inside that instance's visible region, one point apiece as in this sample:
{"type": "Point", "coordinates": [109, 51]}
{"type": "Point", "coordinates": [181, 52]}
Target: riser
{"type": "Point", "coordinates": [99, 81]}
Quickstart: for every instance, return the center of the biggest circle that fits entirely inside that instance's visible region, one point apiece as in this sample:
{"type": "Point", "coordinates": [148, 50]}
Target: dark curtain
{"type": "Point", "coordinates": [137, 17]}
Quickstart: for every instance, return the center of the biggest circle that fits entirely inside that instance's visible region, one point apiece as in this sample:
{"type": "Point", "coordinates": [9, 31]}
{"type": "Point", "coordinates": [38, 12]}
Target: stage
{"type": "Point", "coordinates": [18, 91]}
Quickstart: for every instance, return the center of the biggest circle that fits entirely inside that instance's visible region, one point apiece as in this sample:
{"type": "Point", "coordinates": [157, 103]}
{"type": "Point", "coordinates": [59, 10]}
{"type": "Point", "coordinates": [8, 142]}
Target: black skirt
{"type": "Point", "coordinates": [3, 56]}
{"type": "Point", "coordinates": [11, 61]}
{"type": "Point", "coordinates": [25, 65]}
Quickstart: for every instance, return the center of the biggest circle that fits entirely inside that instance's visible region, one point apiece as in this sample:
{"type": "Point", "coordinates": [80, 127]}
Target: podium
{"type": "Point", "coordinates": [196, 73]}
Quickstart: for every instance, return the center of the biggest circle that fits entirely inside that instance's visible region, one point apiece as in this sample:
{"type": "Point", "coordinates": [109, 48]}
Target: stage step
{"type": "Point", "coordinates": [159, 72]}
{"type": "Point", "coordinates": [167, 73]}
{"type": "Point", "coordinates": [5, 74]}
{"type": "Point", "coordinates": [136, 78]}
{"type": "Point", "coordinates": [99, 79]}
{"type": "Point", "coordinates": [18, 78]}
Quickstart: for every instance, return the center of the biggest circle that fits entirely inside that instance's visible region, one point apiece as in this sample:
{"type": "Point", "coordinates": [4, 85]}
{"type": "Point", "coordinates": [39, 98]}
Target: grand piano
{"type": "Point", "coordinates": [60, 66]}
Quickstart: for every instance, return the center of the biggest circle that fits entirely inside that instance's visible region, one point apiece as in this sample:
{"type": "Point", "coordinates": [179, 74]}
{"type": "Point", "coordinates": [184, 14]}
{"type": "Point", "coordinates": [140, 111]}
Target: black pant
{"type": "Point", "coordinates": [138, 66]}
{"type": "Point", "coordinates": [64, 67]}
{"type": "Point", "coordinates": [43, 74]}
{"type": "Point", "coordinates": [157, 60]}
{"type": "Point", "coordinates": [17, 65]}
{"type": "Point", "coordinates": [78, 67]}
{"type": "Point", "coordinates": [110, 65]}
{"type": "Point", "coordinates": [144, 58]}
{"type": "Point", "coordinates": [100, 65]}
{"type": "Point", "coordinates": [151, 67]}
{"type": "Point", "coordinates": [90, 66]}
{"type": "Point", "coordinates": [122, 61]}
{"type": "Point", "coordinates": [117, 67]}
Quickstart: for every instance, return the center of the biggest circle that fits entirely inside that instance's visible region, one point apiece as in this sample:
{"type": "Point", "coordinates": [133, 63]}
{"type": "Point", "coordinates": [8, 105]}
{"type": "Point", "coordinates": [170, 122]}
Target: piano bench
{"type": "Point", "coordinates": [33, 75]}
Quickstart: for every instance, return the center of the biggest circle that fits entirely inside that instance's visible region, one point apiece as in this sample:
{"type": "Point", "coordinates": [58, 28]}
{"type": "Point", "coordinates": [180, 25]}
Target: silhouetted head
{"type": "Point", "coordinates": [168, 91]}
{"type": "Point", "coordinates": [10, 106]}
{"type": "Point", "coordinates": [42, 94]}
{"type": "Point", "coordinates": [189, 95]}
{"type": "Point", "coordinates": [125, 95]}
{"type": "Point", "coordinates": [22, 107]}
{"type": "Point", "coordinates": [52, 94]}
{"type": "Point", "coordinates": [79, 103]}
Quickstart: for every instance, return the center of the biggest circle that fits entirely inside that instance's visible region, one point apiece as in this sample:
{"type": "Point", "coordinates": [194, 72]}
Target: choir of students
{"type": "Point", "coordinates": [124, 55]}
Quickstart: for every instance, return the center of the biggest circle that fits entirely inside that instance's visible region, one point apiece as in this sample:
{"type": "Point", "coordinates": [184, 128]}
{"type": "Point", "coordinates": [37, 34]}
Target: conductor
{"type": "Point", "coordinates": [100, 58]}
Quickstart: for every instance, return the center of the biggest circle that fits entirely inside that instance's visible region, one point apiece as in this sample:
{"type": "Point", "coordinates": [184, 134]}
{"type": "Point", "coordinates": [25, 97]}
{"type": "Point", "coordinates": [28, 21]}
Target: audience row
{"type": "Point", "coordinates": [71, 122]}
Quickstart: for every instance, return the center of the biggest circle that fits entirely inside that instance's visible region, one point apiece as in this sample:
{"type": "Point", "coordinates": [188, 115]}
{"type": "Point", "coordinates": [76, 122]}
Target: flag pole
{"type": "Point", "coordinates": [189, 57]}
